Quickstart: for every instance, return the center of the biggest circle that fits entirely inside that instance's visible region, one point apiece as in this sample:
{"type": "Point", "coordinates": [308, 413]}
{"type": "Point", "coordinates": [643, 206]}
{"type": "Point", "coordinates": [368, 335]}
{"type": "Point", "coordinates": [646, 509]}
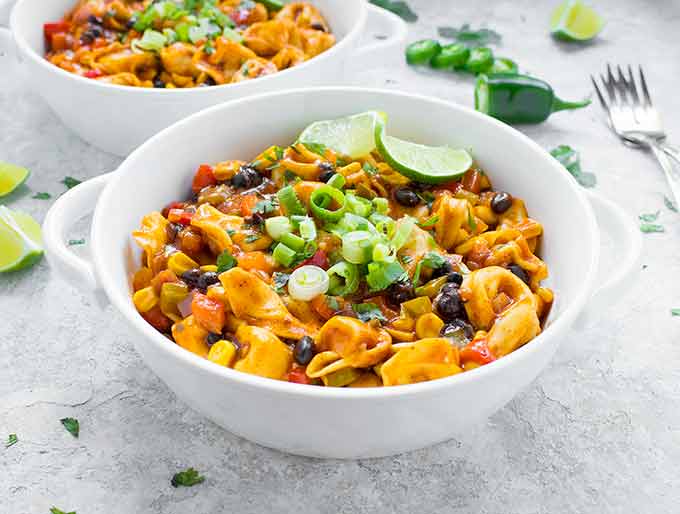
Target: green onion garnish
{"type": "Point", "coordinates": [283, 255]}
{"type": "Point", "coordinates": [290, 202]}
{"type": "Point", "coordinates": [322, 198]}
{"type": "Point", "coordinates": [337, 181]}
{"type": "Point", "coordinates": [357, 246]}
{"type": "Point", "coordinates": [344, 278]}
{"type": "Point", "coordinates": [293, 241]}
{"type": "Point", "coordinates": [277, 226]}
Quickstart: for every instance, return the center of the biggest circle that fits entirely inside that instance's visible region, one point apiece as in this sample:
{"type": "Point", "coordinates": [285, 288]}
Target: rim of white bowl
{"type": "Point", "coordinates": [122, 299]}
{"type": "Point", "coordinates": [340, 46]}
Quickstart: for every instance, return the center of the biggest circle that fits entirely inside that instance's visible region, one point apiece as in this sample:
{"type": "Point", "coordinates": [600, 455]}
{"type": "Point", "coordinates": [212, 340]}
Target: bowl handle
{"type": "Point", "coordinates": [392, 31]}
{"type": "Point", "coordinates": [69, 208]}
{"type": "Point", "coordinates": [627, 245]}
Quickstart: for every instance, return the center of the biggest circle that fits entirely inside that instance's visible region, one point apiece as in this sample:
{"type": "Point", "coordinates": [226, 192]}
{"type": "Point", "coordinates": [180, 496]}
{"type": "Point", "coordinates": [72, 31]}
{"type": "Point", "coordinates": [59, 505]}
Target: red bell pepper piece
{"type": "Point", "coordinates": [180, 216]}
{"type": "Point", "coordinates": [477, 351]}
{"type": "Point", "coordinates": [319, 259]}
{"type": "Point", "coordinates": [49, 29]}
{"type": "Point", "coordinates": [204, 177]}
{"type": "Point", "coordinates": [298, 376]}
{"type": "Point", "coordinates": [157, 319]}
{"type": "Point", "coordinates": [92, 74]}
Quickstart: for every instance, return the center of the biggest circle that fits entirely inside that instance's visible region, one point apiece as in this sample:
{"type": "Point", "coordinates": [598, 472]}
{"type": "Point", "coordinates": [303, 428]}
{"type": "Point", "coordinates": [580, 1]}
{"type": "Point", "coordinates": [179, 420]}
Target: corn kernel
{"type": "Point", "coordinates": [405, 324]}
{"type": "Point", "coordinates": [222, 353]}
{"type": "Point", "coordinates": [428, 325]}
{"type": "Point", "coordinates": [180, 262]}
{"type": "Point", "coordinates": [145, 299]}
{"type": "Point", "coordinates": [208, 267]}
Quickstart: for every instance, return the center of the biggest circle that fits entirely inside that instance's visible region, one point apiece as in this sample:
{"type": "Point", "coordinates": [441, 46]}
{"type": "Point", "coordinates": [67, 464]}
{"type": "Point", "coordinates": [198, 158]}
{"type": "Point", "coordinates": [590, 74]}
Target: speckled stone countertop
{"type": "Point", "coordinates": [597, 432]}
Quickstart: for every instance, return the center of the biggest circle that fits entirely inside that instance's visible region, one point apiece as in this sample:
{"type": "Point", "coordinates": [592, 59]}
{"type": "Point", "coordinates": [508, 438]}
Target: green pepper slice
{"type": "Point", "coordinates": [503, 65]}
{"type": "Point", "coordinates": [480, 60]}
{"type": "Point", "coordinates": [514, 98]}
{"type": "Point", "coordinates": [452, 56]}
{"type": "Point", "coordinates": [422, 52]}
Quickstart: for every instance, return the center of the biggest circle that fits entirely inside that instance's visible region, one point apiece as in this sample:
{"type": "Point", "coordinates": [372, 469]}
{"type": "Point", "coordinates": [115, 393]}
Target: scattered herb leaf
{"type": "Point", "coordinates": [75, 242]}
{"type": "Point", "coordinates": [225, 261]}
{"type": "Point", "coordinates": [648, 228]}
{"type": "Point", "coordinates": [72, 425]}
{"type": "Point", "coordinates": [407, 259]}
{"type": "Point", "coordinates": [265, 206]}
{"type": "Point", "coordinates": [675, 312]}
{"type": "Point", "coordinates": [470, 37]}
{"type": "Point", "coordinates": [252, 238]}
{"type": "Point", "coordinates": [648, 218]}
{"type": "Point", "coordinates": [333, 303]}
{"type": "Point", "coordinates": [316, 148]}
{"type": "Point", "coordinates": [55, 510]}
{"type": "Point", "coordinates": [398, 7]}
{"type": "Point", "coordinates": [289, 176]}
{"type": "Point", "coordinates": [70, 182]}
{"type": "Point", "coordinates": [187, 478]}
{"type": "Point", "coordinates": [569, 158]}
{"type": "Point", "coordinates": [429, 222]}
{"type": "Point", "coordinates": [369, 168]}
{"type": "Point", "coordinates": [279, 152]}
{"type": "Point", "coordinates": [670, 204]}
{"type": "Point", "coordinates": [280, 281]}
{"type": "Point", "coordinates": [427, 197]}
{"type": "Point", "coordinates": [12, 439]}
{"type": "Point", "coordinates": [42, 196]}
{"type": "Point", "coordinates": [471, 221]}
{"type": "Point", "coordinates": [368, 311]}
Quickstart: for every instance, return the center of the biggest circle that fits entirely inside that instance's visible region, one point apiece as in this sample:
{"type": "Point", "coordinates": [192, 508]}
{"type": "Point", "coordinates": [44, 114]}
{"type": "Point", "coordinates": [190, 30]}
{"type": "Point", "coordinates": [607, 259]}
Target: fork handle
{"type": "Point", "coordinates": [669, 159]}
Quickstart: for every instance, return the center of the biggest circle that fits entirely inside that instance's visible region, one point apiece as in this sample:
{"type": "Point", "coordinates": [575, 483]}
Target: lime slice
{"type": "Point", "coordinates": [574, 21]}
{"type": "Point", "coordinates": [353, 136]}
{"type": "Point", "coordinates": [11, 177]}
{"type": "Point", "coordinates": [428, 164]}
{"type": "Point", "coordinates": [20, 240]}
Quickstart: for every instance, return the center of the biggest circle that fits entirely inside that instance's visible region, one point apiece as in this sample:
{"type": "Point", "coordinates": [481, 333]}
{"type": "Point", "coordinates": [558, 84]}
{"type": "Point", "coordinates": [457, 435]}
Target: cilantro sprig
{"type": "Point", "coordinates": [398, 7]}
{"type": "Point", "coordinates": [368, 311]}
{"type": "Point", "coordinates": [12, 439]}
{"type": "Point", "coordinates": [187, 478]}
{"type": "Point", "coordinates": [71, 425]}
{"type": "Point", "coordinates": [469, 36]}
{"type": "Point", "coordinates": [570, 159]}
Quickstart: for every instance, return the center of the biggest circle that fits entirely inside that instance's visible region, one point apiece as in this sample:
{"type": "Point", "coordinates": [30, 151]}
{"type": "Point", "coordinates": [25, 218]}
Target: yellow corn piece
{"type": "Point", "coordinates": [416, 307]}
{"type": "Point", "coordinates": [222, 353]}
{"type": "Point", "coordinates": [405, 324]}
{"type": "Point", "coordinates": [428, 325]}
{"type": "Point", "coordinates": [216, 292]}
{"type": "Point", "coordinates": [142, 278]}
{"type": "Point", "coordinates": [180, 262]}
{"type": "Point", "coordinates": [145, 299]}
{"type": "Point", "coordinates": [401, 335]}
{"type": "Point", "coordinates": [171, 294]}
{"type": "Point", "coordinates": [208, 267]}
{"type": "Point", "coordinates": [341, 378]}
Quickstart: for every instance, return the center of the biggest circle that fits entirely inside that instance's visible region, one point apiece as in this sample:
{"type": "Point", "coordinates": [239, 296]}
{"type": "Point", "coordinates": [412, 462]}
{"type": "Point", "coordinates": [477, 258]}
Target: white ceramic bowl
{"type": "Point", "coordinates": [119, 118]}
{"type": "Point", "coordinates": [327, 422]}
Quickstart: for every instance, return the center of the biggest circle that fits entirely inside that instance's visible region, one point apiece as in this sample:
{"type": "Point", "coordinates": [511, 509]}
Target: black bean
{"type": "Point", "coordinates": [190, 277]}
{"type": "Point", "coordinates": [327, 171]}
{"type": "Point", "coordinates": [94, 20]}
{"type": "Point", "coordinates": [406, 197]}
{"type": "Point", "coordinates": [455, 278]}
{"type": "Point", "coordinates": [158, 83]}
{"type": "Point", "coordinates": [519, 272]}
{"type": "Point", "coordinates": [96, 31]}
{"type": "Point", "coordinates": [442, 270]}
{"type": "Point", "coordinates": [246, 178]}
{"type": "Point", "coordinates": [318, 26]}
{"type": "Point", "coordinates": [304, 350]}
{"type": "Point", "coordinates": [87, 37]}
{"type": "Point", "coordinates": [448, 303]}
{"type": "Point", "coordinates": [501, 202]}
{"type": "Point", "coordinates": [400, 292]}
{"type": "Point", "coordinates": [459, 332]}
{"type": "Point", "coordinates": [213, 338]}
{"type": "Point", "coordinates": [207, 279]}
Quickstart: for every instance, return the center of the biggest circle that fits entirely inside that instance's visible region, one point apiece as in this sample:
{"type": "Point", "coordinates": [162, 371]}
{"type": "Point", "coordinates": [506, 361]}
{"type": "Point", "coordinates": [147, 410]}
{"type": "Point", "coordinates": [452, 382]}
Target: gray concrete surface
{"type": "Point", "coordinates": [598, 432]}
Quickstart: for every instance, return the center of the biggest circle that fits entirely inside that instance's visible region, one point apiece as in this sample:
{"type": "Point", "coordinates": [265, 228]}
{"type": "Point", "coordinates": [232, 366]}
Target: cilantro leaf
{"type": "Point", "coordinates": [280, 281]}
{"type": "Point", "coordinates": [569, 158]}
{"type": "Point", "coordinates": [72, 425]}
{"type": "Point", "coordinates": [398, 7]}
{"type": "Point", "coordinates": [675, 312]}
{"type": "Point", "coordinates": [70, 182]}
{"type": "Point", "coordinates": [316, 148]}
{"type": "Point", "coordinates": [464, 34]}
{"type": "Point", "coordinates": [383, 274]}
{"type": "Point", "coordinates": [432, 220]}
{"type": "Point", "coordinates": [12, 439]}
{"type": "Point", "coordinates": [333, 303]}
{"type": "Point", "coordinates": [74, 242]}
{"type": "Point", "coordinates": [55, 510]}
{"type": "Point", "coordinates": [369, 168]}
{"type": "Point", "coordinates": [670, 204]}
{"type": "Point", "coordinates": [225, 261]}
{"type": "Point", "coordinates": [187, 478]}
{"type": "Point", "coordinates": [368, 311]}
{"type": "Point", "coordinates": [41, 196]}
{"type": "Point", "coordinates": [433, 260]}
{"type": "Point", "coordinates": [471, 221]}
{"type": "Point", "coordinates": [648, 228]}
{"type": "Point", "coordinates": [265, 206]}
{"type": "Point", "coordinates": [251, 238]}
{"type": "Point", "coordinates": [648, 218]}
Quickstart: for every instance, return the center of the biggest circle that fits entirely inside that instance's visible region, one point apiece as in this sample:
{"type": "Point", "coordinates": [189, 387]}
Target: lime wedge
{"type": "Point", "coordinates": [428, 164]}
{"type": "Point", "coordinates": [574, 21]}
{"type": "Point", "coordinates": [11, 177]}
{"type": "Point", "coordinates": [353, 136]}
{"type": "Point", "coordinates": [20, 240]}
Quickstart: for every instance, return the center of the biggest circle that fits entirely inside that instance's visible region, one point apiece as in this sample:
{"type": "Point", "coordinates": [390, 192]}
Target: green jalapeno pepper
{"type": "Point", "coordinates": [422, 52]}
{"type": "Point", "coordinates": [452, 56]}
{"type": "Point", "coordinates": [503, 65]}
{"type": "Point", "coordinates": [514, 98]}
{"type": "Point", "coordinates": [480, 60]}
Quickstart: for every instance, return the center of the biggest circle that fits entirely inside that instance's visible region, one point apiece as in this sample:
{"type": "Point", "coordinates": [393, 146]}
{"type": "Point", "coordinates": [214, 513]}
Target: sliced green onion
{"type": "Point", "coordinates": [182, 32]}
{"type": "Point", "coordinates": [337, 181]}
{"type": "Point", "coordinates": [308, 229]}
{"type": "Point", "coordinates": [290, 202]}
{"type": "Point", "coordinates": [152, 40]}
{"type": "Point", "coordinates": [297, 219]}
{"type": "Point", "coordinates": [293, 241]}
{"type": "Point", "coordinates": [321, 195]}
{"type": "Point", "coordinates": [308, 282]}
{"type": "Point", "coordinates": [283, 255]}
{"type": "Point", "coordinates": [381, 205]}
{"type": "Point", "coordinates": [404, 228]}
{"type": "Point", "coordinates": [231, 34]}
{"type": "Point", "coordinates": [277, 226]}
{"type": "Point", "coordinates": [385, 225]}
{"type": "Point", "coordinates": [381, 252]}
{"type": "Point", "coordinates": [272, 5]}
{"type": "Point", "coordinates": [383, 274]}
{"type": "Point", "coordinates": [357, 246]}
{"type": "Point", "coordinates": [358, 205]}
{"type": "Point", "coordinates": [170, 36]}
{"type": "Point", "coordinates": [344, 278]}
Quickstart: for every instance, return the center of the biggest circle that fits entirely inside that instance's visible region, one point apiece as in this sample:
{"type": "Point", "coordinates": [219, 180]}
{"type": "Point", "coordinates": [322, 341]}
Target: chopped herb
{"type": "Point", "coordinates": [279, 152]}
{"type": "Point", "coordinates": [245, 70]}
{"type": "Point", "coordinates": [289, 176]}
{"type": "Point", "coordinates": [70, 182]}
{"type": "Point", "coordinates": [368, 311]}
{"type": "Point", "coordinates": [55, 510]}
{"type": "Point", "coordinates": [427, 197]}
{"type": "Point", "coordinates": [252, 238]}
{"type": "Point", "coordinates": [42, 196]}
{"type": "Point", "coordinates": [265, 206]}
{"type": "Point", "coordinates": [675, 312]}
{"type": "Point", "coordinates": [569, 158]}
{"type": "Point", "coordinates": [432, 260]}
{"type": "Point", "coordinates": [398, 7]}
{"type": "Point", "coordinates": [670, 204]}
{"type": "Point", "coordinates": [429, 222]}
{"type": "Point", "coordinates": [648, 218]}
{"type": "Point", "coordinates": [12, 439]}
{"type": "Point", "coordinates": [381, 275]}
{"type": "Point", "coordinates": [209, 49]}
{"type": "Point", "coordinates": [225, 261]}
{"type": "Point", "coordinates": [187, 478]}
{"type": "Point", "coordinates": [471, 221]}
{"type": "Point", "coordinates": [340, 162]}
{"type": "Point", "coordinates": [280, 281]}
{"type": "Point", "coordinates": [72, 425]}
{"type": "Point", "coordinates": [407, 259]}
{"type": "Point", "coordinates": [370, 169]}
{"type": "Point", "coordinates": [648, 228]}
{"type": "Point", "coordinates": [470, 37]}
{"type": "Point", "coordinates": [316, 148]}
{"type": "Point", "coordinates": [75, 242]}
{"type": "Point", "coordinates": [333, 303]}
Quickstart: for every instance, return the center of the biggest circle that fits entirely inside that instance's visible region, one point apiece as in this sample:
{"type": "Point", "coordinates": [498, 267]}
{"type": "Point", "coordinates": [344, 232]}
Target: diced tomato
{"type": "Point", "coordinates": [248, 203]}
{"type": "Point", "coordinates": [240, 16]}
{"type": "Point", "coordinates": [454, 187]}
{"type": "Point", "coordinates": [204, 177]}
{"type": "Point", "coordinates": [477, 351]}
{"type": "Point", "coordinates": [180, 216]}
{"type": "Point", "coordinates": [157, 319]}
{"type": "Point", "coordinates": [472, 181]}
{"type": "Point", "coordinates": [319, 259]}
{"type": "Point", "coordinates": [92, 74]}
{"type": "Point", "coordinates": [298, 376]}
{"type": "Point", "coordinates": [167, 275]}
{"type": "Point", "coordinates": [60, 41]}
{"type": "Point", "coordinates": [50, 29]}
{"type": "Point", "coordinates": [208, 313]}
{"type": "Point", "coordinates": [256, 260]}
{"type": "Point", "coordinates": [172, 205]}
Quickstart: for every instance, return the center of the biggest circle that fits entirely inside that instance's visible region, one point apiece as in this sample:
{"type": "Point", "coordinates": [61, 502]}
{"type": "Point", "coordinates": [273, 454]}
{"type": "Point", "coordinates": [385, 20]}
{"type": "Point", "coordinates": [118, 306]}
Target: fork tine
{"type": "Point", "coordinates": [603, 103]}
{"type": "Point", "coordinates": [643, 84]}
{"type": "Point", "coordinates": [633, 88]}
{"type": "Point", "coordinates": [622, 86]}
{"type": "Point", "coordinates": [610, 85]}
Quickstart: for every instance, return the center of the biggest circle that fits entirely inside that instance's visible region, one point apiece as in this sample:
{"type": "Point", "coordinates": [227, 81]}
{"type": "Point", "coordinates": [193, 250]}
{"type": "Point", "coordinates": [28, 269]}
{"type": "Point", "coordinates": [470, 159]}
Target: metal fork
{"type": "Point", "coordinates": [633, 118]}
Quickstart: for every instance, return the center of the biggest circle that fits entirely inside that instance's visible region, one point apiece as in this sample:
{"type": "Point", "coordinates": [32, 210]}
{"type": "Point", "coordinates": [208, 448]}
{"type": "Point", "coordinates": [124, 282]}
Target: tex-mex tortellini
{"type": "Point", "coordinates": [312, 267]}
